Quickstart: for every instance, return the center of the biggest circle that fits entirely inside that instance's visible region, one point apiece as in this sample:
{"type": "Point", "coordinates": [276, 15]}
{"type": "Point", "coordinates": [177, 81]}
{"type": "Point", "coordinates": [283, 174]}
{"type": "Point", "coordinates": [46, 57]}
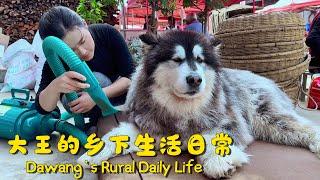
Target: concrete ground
{"type": "Point", "coordinates": [14, 166]}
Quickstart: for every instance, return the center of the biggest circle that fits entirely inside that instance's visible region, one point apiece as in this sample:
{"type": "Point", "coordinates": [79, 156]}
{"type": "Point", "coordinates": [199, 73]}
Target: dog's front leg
{"type": "Point", "coordinates": [109, 150]}
{"type": "Point", "coordinates": [217, 166]}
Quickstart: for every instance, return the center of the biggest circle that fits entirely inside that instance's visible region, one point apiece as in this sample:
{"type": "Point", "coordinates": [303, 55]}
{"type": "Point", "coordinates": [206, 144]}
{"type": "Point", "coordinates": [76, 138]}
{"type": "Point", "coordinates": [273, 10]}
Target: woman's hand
{"type": "Point", "coordinates": [66, 83]}
{"type": "Point", "coordinates": [69, 82]}
{"type": "Point", "coordinates": [83, 104]}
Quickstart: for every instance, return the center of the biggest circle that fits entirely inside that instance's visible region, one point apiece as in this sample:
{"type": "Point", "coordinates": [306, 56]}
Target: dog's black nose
{"type": "Point", "coordinates": [194, 80]}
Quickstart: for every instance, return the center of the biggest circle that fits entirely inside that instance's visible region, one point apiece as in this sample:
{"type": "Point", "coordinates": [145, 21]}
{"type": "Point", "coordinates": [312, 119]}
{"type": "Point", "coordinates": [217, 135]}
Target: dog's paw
{"type": "Point", "coordinates": [216, 166]}
{"type": "Point", "coordinates": [85, 161]}
{"type": "Point", "coordinates": [106, 153]}
{"type": "Point", "coordinates": [238, 157]}
{"type": "Point", "coordinates": [315, 144]}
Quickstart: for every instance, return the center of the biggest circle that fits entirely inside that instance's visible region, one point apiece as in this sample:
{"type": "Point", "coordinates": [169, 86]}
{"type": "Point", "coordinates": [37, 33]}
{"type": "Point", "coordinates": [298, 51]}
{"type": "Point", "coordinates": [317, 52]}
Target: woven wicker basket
{"type": "Point", "coordinates": [293, 93]}
{"type": "Point", "coordinates": [264, 65]}
{"type": "Point", "coordinates": [258, 21]}
{"type": "Point", "coordinates": [258, 36]}
{"type": "Point", "coordinates": [270, 45]}
{"type": "Point", "coordinates": [287, 84]}
{"type": "Point", "coordinates": [266, 48]}
{"type": "Point", "coordinates": [290, 54]}
{"type": "Point", "coordinates": [288, 73]}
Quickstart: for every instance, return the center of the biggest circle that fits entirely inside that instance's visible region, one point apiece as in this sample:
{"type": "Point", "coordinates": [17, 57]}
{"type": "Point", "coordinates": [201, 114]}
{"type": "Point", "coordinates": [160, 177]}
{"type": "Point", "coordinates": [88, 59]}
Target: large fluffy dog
{"type": "Point", "coordinates": [181, 88]}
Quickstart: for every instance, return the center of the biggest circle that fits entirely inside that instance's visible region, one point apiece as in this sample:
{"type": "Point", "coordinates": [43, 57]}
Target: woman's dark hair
{"type": "Point", "coordinates": [58, 21]}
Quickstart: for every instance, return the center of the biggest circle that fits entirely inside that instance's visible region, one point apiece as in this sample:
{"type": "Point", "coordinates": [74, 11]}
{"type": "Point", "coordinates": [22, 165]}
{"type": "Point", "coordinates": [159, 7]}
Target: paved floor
{"type": "Point", "coordinates": [13, 166]}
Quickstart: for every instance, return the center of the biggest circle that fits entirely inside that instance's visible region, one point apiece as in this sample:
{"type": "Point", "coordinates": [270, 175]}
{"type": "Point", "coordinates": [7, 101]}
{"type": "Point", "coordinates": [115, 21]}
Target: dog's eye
{"type": "Point", "coordinates": [177, 60]}
{"type": "Point", "coordinates": [199, 59]}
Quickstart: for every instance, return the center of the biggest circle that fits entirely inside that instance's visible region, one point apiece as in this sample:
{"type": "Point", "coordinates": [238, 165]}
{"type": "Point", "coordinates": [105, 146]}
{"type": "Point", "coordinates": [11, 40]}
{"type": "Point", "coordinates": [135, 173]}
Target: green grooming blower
{"type": "Point", "coordinates": [19, 117]}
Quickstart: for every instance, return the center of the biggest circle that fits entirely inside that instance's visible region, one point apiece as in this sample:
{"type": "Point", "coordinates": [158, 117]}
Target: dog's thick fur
{"type": "Point", "coordinates": [244, 105]}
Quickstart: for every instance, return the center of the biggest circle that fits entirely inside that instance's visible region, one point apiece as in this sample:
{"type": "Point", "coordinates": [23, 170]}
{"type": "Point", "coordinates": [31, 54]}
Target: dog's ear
{"type": "Point", "coordinates": [215, 42]}
{"type": "Point", "coordinates": [149, 39]}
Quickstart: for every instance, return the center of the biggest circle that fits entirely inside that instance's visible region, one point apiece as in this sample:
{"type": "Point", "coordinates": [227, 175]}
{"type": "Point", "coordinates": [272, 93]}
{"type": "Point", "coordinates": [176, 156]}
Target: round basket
{"type": "Point", "coordinates": [258, 36]}
{"type": "Point", "coordinates": [288, 73]}
{"type": "Point", "coordinates": [288, 84]}
{"type": "Point", "coordinates": [260, 21]}
{"type": "Point", "coordinates": [264, 65]}
{"type": "Point", "coordinates": [293, 92]}
{"type": "Point", "coordinates": [266, 48]}
{"type": "Point", "coordinates": [293, 53]}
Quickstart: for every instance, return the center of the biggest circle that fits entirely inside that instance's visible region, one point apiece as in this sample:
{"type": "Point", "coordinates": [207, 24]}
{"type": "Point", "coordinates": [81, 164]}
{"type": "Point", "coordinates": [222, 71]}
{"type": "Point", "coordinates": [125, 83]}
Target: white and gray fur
{"type": "Point", "coordinates": [244, 105]}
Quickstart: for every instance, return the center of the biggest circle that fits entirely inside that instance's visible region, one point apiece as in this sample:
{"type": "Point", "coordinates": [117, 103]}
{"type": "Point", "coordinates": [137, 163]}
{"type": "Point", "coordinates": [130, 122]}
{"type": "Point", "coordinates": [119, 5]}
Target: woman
{"type": "Point", "coordinates": [103, 49]}
{"type": "Point", "coordinates": [313, 42]}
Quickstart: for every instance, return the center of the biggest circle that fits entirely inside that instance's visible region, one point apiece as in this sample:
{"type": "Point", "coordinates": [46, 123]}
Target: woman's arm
{"type": "Point", "coordinates": [85, 103]}
{"type": "Point", "coordinates": [48, 98]}
{"type": "Point", "coordinates": [49, 95]}
{"type": "Point", "coordinates": [117, 88]}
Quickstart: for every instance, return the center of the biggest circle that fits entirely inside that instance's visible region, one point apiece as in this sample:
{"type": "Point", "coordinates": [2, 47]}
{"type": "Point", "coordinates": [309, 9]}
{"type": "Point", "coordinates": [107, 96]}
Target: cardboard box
{"type": "Point", "coordinates": [4, 40]}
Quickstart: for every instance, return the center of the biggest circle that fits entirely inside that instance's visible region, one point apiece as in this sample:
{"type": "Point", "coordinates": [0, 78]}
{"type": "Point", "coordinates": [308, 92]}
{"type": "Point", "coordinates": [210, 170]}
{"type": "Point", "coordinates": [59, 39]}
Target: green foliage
{"type": "Point", "coordinates": [188, 3]}
{"type": "Point", "coordinates": [165, 6]}
{"type": "Point", "coordinates": [210, 4]}
{"type": "Point", "coordinates": [92, 10]}
{"type": "Point", "coordinates": [215, 4]}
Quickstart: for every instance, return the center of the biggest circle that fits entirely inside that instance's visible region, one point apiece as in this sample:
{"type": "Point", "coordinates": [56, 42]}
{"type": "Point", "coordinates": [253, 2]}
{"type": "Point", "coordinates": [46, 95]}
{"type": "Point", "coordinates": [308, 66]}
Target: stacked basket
{"type": "Point", "coordinates": [271, 45]}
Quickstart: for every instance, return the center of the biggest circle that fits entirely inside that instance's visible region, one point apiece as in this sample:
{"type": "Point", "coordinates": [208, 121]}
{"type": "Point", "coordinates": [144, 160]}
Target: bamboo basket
{"type": "Point", "coordinates": [292, 53]}
{"type": "Point", "coordinates": [270, 45]}
{"type": "Point", "coordinates": [285, 84]}
{"type": "Point", "coordinates": [258, 36]}
{"type": "Point", "coordinates": [293, 92]}
{"type": "Point", "coordinates": [288, 73]}
{"type": "Point", "coordinates": [264, 62]}
{"type": "Point", "coordinates": [256, 49]}
{"type": "Point", "coordinates": [264, 65]}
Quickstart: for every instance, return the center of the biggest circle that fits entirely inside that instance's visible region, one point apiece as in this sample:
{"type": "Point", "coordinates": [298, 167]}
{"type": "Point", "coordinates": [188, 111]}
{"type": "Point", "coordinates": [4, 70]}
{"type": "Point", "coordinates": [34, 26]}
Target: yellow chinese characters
{"type": "Point", "coordinates": [94, 144]}
{"type": "Point", "coordinates": [121, 143]}
{"type": "Point", "coordinates": [196, 144]}
{"type": "Point", "coordinates": [43, 146]}
{"type": "Point", "coordinates": [170, 145]}
{"type": "Point", "coordinates": [17, 145]}
{"type": "Point", "coordinates": [173, 144]}
{"type": "Point", "coordinates": [222, 141]}
{"type": "Point", "coordinates": [145, 143]}
{"type": "Point", "coordinates": [72, 143]}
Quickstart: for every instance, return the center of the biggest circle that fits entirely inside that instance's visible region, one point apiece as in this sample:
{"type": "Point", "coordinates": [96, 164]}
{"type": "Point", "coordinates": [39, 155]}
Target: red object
{"type": "Point", "coordinates": [314, 92]}
{"type": "Point", "coordinates": [137, 10]}
{"type": "Point", "coordinates": [294, 6]}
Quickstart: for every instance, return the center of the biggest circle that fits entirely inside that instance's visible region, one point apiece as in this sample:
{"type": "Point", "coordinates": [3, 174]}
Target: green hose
{"type": "Point", "coordinates": [54, 48]}
{"type": "Point", "coordinates": [64, 127]}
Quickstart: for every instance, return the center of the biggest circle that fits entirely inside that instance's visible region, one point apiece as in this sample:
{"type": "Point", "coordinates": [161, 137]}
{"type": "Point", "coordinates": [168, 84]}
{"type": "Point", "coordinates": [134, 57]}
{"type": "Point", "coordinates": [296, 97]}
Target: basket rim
{"type": "Point", "coordinates": [262, 20]}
